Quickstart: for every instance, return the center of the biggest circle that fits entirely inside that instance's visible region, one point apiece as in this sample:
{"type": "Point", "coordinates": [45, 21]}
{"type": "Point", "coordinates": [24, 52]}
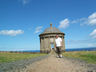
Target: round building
{"type": "Point", "coordinates": [47, 39]}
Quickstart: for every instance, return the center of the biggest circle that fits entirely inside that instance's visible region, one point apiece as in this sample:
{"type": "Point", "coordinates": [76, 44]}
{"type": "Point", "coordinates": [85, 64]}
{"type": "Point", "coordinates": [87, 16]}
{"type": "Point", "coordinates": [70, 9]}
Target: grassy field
{"type": "Point", "coordinates": [8, 57]}
{"type": "Point", "coordinates": [89, 56]}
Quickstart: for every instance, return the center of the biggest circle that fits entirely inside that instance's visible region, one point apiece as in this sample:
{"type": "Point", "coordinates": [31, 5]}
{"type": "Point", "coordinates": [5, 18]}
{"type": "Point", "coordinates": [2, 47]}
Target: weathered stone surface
{"type": "Point", "coordinates": [47, 36]}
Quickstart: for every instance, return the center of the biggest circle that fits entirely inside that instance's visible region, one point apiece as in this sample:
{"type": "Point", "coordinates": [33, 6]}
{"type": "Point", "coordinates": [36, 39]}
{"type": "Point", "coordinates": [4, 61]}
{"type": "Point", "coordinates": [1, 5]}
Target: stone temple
{"type": "Point", "coordinates": [47, 39]}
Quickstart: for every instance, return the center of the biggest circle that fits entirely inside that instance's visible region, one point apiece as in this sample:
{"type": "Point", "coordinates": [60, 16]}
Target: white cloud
{"type": "Point", "coordinates": [64, 23]}
{"type": "Point", "coordinates": [93, 33]}
{"type": "Point", "coordinates": [92, 16]}
{"type": "Point", "coordinates": [70, 43]}
{"type": "Point", "coordinates": [11, 32]}
{"type": "Point", "coordinates": [92, 19]}
{"type": "Point", "coordinates": [38, 29]}
{"type": "Point", "coordinates": [92, 45]}
{"type": "Point", "coordinates": [81, 21]}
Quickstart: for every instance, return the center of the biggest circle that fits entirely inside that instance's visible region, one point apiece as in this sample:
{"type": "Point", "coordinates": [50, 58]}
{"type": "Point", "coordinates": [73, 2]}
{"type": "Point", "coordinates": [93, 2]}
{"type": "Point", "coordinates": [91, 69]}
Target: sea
{"type": "Point", "coordinates": [72, 49]}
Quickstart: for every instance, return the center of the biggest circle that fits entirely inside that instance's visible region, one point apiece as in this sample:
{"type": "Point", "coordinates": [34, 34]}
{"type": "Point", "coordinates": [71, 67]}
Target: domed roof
{"type": "Point", "coordinates": [51, 30]}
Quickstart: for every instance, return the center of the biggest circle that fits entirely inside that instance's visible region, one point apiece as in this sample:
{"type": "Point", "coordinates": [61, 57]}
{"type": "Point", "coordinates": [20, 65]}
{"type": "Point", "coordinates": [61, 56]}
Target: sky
{"type": "Point", "coordinates": [21, 22]}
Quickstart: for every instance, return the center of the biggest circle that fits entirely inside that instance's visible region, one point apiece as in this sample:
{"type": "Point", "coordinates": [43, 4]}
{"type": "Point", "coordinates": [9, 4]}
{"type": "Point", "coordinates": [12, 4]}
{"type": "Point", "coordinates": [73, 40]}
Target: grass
{"type": "Point", "coordinates": [9, 57]}
{"type": "Point", "coordinates": [89, 56]}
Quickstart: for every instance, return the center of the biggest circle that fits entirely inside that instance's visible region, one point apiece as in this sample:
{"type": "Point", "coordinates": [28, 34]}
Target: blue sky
{"type": "Point", "coordinates": [21, 21]}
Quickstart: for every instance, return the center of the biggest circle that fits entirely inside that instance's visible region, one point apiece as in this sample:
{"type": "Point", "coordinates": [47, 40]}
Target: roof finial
{"type": "Point", "coordinates": [51, 25]}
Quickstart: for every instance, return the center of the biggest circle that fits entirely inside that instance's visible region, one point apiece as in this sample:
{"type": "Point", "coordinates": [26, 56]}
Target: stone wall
{"type": "Point", "coordinates": [45, 45]}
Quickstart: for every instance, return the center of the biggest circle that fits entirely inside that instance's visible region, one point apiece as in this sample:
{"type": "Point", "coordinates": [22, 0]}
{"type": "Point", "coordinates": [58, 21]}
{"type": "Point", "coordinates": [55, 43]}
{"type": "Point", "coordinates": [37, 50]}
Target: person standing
{"type": "Point", "coordinates": [58, 46]}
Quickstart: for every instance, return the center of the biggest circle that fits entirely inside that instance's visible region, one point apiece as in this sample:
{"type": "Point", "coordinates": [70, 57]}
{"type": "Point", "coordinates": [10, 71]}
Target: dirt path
{"type": "Point", "coordinates": [53, 64]}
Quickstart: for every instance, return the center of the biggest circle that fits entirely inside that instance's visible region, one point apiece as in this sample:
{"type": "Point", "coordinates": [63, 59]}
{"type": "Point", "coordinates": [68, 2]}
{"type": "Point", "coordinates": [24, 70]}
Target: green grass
{"type": "Point", "coordinates": [89, 56]}
{"type": "Point", "coordinates": [8, 57]}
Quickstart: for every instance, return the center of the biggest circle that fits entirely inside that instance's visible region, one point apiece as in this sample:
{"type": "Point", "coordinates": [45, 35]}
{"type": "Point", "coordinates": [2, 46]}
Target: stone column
{"type": "Point", "coordinates": [41, 45]}
{"type": "Point", "coordinates": [44, 41]}
{"type": "Point", "coordinates": [45, 44]}
{"type": "Point", "coordinates": [63, 44]}
{"type": "Point", "coordinates": [49, 47]}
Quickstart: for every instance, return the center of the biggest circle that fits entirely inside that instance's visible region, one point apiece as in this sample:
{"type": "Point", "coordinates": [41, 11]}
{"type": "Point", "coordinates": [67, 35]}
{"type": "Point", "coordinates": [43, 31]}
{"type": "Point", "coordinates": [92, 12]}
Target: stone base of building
{"type": "Point", "coordinates": [48, 51]}
{"type": "Point", "coordinates": [45, 51]}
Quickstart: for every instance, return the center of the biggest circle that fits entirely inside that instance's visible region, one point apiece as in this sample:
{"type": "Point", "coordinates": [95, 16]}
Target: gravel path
{"type": "Point", "coordinates": [53, 64]}
{"type": "Point", "coordinates": [48, 63]}
{"type": "Point", "coordinates": [19, 66]}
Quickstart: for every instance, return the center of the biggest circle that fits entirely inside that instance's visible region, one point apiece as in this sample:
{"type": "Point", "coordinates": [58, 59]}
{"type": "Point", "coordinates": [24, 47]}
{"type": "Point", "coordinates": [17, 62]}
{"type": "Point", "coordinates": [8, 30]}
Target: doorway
{"type": "Point", "coordinates": [52, 46]}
